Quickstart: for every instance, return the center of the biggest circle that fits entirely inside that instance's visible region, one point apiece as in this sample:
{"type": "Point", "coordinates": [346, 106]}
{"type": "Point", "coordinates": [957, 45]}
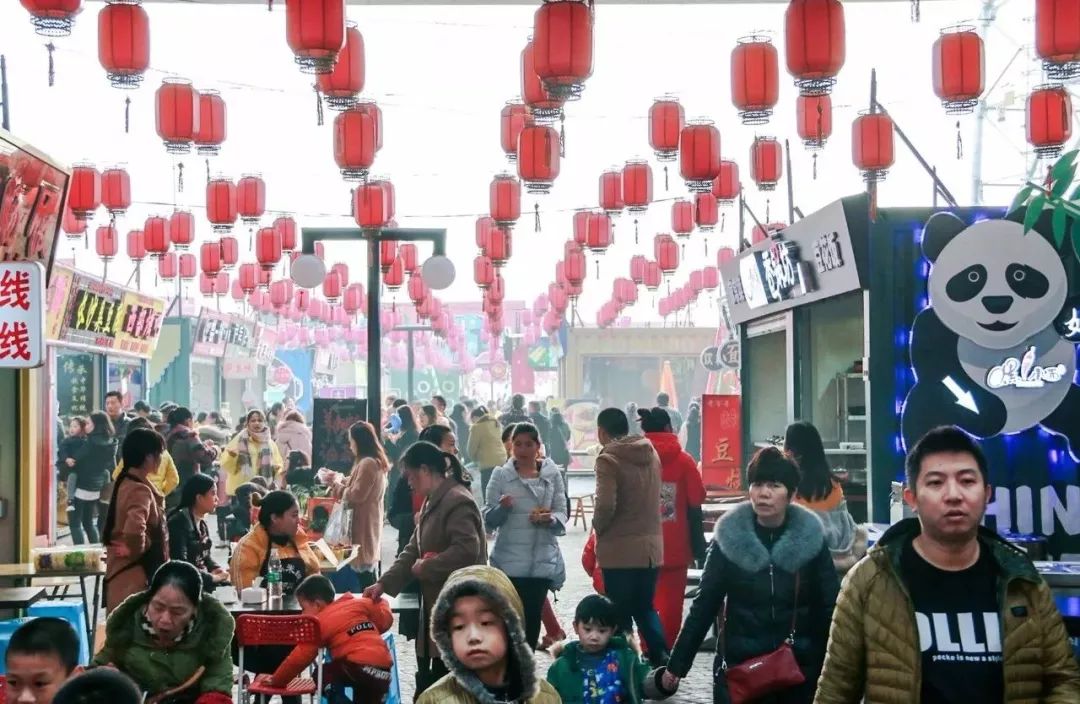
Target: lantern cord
{"type": "Point", "coordinates": [598, 268]}
{"type": "Point", "coordinates": [767, 204]}
{"type": "Point", "coordinates": [959, 142]}
{"type": "Point", "coordinates": [251, 238]}
{"type": "Point", "coordinates": [536, 209]}
{"type": "Point", "coordinates": [665, 179]}
{"type": "Point", "coordinates": [562, 135]}
{"type": "Point", "coordinates": [318, 105]}
{"type": "Point", "coordinates": [50, 47]}
{"type": "Point", "coordinates": [180, 177]}
{"type": "Point", "coordinates": [706, 246]}
{"type": "Point", "coordinates": [208, 170]}
{"type": "Point", "coordinates": [86, 237]}
{"type": "Point", "coordinates": [916, 13]}
{"type": "Point", "coordinates": [127, 115]}
{"type": "Point", "coordinates": [723, 216]}
{"type": "Point", "coordinates": [814, 160]}
{"type": "Point", "coordinates": [635, 231]}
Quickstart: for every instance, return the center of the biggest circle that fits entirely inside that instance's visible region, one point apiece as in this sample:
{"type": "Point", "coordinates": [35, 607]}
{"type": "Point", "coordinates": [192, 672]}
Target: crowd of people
{"type": "Point", "coordinates": [939, 610]}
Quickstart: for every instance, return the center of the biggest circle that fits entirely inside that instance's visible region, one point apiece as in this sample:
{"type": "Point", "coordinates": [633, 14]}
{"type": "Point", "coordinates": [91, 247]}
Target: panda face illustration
{"type": "Point", "coordinates": [997, 286]}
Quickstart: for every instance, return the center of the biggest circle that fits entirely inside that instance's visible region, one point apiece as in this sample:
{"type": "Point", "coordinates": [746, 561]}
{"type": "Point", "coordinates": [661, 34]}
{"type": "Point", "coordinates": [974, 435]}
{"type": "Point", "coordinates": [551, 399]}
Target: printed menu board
{"type": "Point", "coordinates": [103, 315]}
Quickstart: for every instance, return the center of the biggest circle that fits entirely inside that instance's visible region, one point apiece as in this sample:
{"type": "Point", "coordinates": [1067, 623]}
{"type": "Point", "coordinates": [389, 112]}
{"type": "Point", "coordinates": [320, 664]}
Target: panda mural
{"type": "Point", "coordinates": [986, 352]}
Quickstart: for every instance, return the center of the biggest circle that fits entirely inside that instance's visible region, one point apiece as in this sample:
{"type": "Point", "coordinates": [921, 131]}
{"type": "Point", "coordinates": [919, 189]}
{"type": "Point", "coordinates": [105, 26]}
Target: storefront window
{"type": "Point", "coordinates": [204, 385]}
{"type": "Point", "coordinates": [126, 376]}
{"type": "Point", "coordinates": [836, 348]}
{"type": "Point", "coordinates": [764, 373]}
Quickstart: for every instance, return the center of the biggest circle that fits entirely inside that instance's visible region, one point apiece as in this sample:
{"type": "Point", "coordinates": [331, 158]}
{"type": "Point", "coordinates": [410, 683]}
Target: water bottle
{"type": "Point", "coordinates": [273, 575]}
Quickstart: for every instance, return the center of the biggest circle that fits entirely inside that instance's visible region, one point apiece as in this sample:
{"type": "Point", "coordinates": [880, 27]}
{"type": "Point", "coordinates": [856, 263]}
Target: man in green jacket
{"type": "Point", "coordinates": [942, 610]}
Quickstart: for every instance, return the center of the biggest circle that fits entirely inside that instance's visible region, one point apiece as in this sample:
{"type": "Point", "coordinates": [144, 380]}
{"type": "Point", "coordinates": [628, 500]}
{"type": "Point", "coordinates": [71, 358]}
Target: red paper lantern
{"type": "Point", "coordinates": [136, 246]}
{"type": "Point", "coordinates": [696, 282]}
{"type": "Point", "coordinates": [699, 154]}
{"type": "Point", "coordinates": [514, 118]}
{"type": "Point", "coordinates": [342, 270]}
{"type": "Point", "coordinates": [598, 232]}
{"type": "Point", "coordinates": [563, 46]}
{"type": "Point", "coordinates": [755, 79]}
{"type": "Point", "coordinates": [210, 258]}
{"type": "Point", "coordinates": [251, 199]}
{"type": "Point", "coordinates": [391, 198]}
{"type": "Point", "coordinates": [394, 276]}
{"type": "Point", "coordinates": [353, 302]}
{"type": "Point", "coordinates": [221, 204]}
{"type": "Point", "coordinates": [538, 157]}
{"type": "Point", "coordinates": [483, 271]}
{"type": "Point", "coordinates": [726, 185]}
{"type": "Point", "coordinates": [267, 248]}
{"type": "Point", "coordinates": [343, 85]}
{"type": "Point", "coordinates": [706, 212]}
{"type": "Point", "coordinates": [285, 227]}
{"type": "Point", "coordinates": [814, 39]}
{"type": "Point", "coordinates": [167, 266]}
{"type": "Point", "coordinates": [484, 226]}
{"type": "Point", "coordinates": [72, 226]}
{"type": "Point", "coordinates": [156, 235]}
{"type": "Point", "coordinates": [84, 193]}
{"type": "Point", "coordinates": [544, 107]}
{"type": "Point", "coordinates": [182, 229]}
{"type": "Point", "coordinates": [178, 114]}
{"type": "Point", "coordinates": [653, 275]}
{"type": "Point", "coordinates": [370, 108]}
{"type": "Point", "coordinates": [958, 67]}
{"type": "Point", "coordinates": [248, 277]}
{"type": "Point", "coordinates": [53, 18]}
{"type": "Point", "coordinates": [766, 163]}
{"type": "Point", "coordinates": [504, 200]}
{"type": "Point", "coordinates": [665, 125]}
{"type": "Point", "coordinates": [187, 266]}
{"type": "Point", "coordinates": [106, 242]}
{"type": "Point", "coordinates": [611, 191]}
{"type": "Point", "coordinates": [417, 289]}
{"type": "Point", "coordinates": [1049, 120]}
{"type": "Point", "coordinates": [710, 278]}
{"type": "Point", "coordinates": [559, 299]}
{"type": "Point", "coordinates": [315, 31]}
{"type": "Point", "coordinates": [355, 143]}
{"type": "Point", "coordinates": [574, 268]}
{"type": "Point", "coordinates": [667, 253]}
{"type": "Point", "coordinates": [410, 258]}
{"type": "Point", "coordinates": [1057, 38]}
{"type": "Point", "coordinates": [872, 145]}
{"type": "Point", "coordinates": [682, 217]}
{"type": "Point", "coordinates": [370, 206]}
{"type": "Point", "coordinates": [211, 133]}
{"type": "Point", "coordinates": [638, 263]}
{"type": "Point", "coordinates": [500, 247]}
{"type": "Point", "coordinates": [387, 254]}
{"type": "Point", "coordinates": [116, 191]}
{"type": "Point", "coordinates": [814, 115]}
{"type": "Point", "coordinates": [124, 42]}
{"type": "Point", "coordinates": [281, 293]}
{"type": "Point", "coordinates": [207, 285]}
{"type": "Point", "coordinates": [230, 252]}
{"type": "Point", "coordinates": [637, 185]}
{"type": "Point", "coordinates": [331, 287]}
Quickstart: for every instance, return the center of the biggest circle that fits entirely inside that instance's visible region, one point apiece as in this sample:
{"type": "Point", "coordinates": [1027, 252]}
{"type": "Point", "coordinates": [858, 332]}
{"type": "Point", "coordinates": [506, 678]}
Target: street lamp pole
{"type": "Point", "coordinates": [373, 238]}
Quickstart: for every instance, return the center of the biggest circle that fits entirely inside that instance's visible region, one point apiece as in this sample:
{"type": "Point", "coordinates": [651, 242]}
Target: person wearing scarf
{"type": "Point", "coordinates": [251, 454]}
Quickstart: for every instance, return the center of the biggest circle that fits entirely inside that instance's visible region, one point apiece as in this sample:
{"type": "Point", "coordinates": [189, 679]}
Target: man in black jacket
{"type": "Point", "coordinates": [114, 408]}
{"type": "Point", "coordinates": [191, 455]}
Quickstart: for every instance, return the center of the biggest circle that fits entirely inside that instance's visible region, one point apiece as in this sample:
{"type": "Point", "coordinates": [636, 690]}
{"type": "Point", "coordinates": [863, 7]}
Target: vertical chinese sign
{"type": "Point", "coordinates": [22, 315]}
{"type": "Point", "coordinates": [721, 441]}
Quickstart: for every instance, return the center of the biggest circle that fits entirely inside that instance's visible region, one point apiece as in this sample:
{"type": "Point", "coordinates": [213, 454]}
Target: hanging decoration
{"type": "Point", "coordinates": [221, 204]}
{"type": "Point", "coordinates": [545, 108]}
{"type": "Point", "coordinates": [116, 190]}
{"type": "Point", "coordinates": [483, 271]}
{"type": "Point", "coordinates": [958, 66]}
{"type": "Point", "coordinates": [638, 263]}
{"type": "Point", "coordinates": [766, 163]}
{"type": "Point", "coordinates": [706, 213]}
{"type": "Point", "coordinates": [210, 258]}
{"type": "Point", "coordinates": [1057, 38]}
{"type": "Point", "coordinates": [156, 236]}
{"type": "Point", "coordinates": [53, 18]}
{"type": "Point", "coordinates": [177, 114]}
{"type": "Point", "coordinates": [513, 118]}
{"type": "Point", "coordinates": [699, 154]}
{"type": "Point", "coordinates": [387, 255]}
{"type": "Point", "coordinates": [332, 286]}
{"type": "Point", "coordinates": [394, 275]}
{"type": "Point", "coordinates": [355, 143]}
{"type": "Point", "coordinates": [666, 252]}
{"type": "Point", "coordinates": [84, 192]}
{"type": "Point", "coordinates": [210, 134]}
{"type": "Point", "coordinates": [815, 44]}
{"type": "Point", "coordinates": [637, 189]}
{"type": "Point", "coordinates": [135, 246]}
{"type": "Point", "coordinates": [611, 191]}
{"type": "Point", "coordinates": [484, 226]}
{"type": "Point", "coordinates": [872, 145]}
{"type": "Point", "coordinates": [755, 79]}
{"type": "Point", "coordinates": [285, 227]}
{"type": "Point", "coordinates": [504, 200]}
{"type": "Point", "coordinates": [230, 252]}
{"type": "Point", "coordinates": [315, 31]}
{"type": "Point", "coordinates": [106, 244]}
{"type": "Point", "coordinates": [563, 46]}
{"type": "Point", "coordinates": [251, 199]}
{"type": "Point", "coordinates": [343, 85]}
{"type": "Point", "coordinates": [371, 206]}
{"type": "Point", "coordinates": [682, 217]}
{"type": "Point", "coordinates": [186, 265]}
{"type": "Point", "coordinates": [410, 258]}
{"type": "Point", "coordinates": [248, 277]}
{"type": "Point", "coordinates": [538, 158]}
{"type": "Point", "coordinates": [653, 275]}
{"type": "Point", "coordinates": [182, 229]}
{"type": "Point", "coordinates": [124, 42]}
{"type": "Point", "coordinates": [500, 247]}
{"type": "Point", "coordinates": [267, 249]}
{"type": "Point", "coordinates": [167, 266]}
{"type": "Point", "coordinates": [665, 125]}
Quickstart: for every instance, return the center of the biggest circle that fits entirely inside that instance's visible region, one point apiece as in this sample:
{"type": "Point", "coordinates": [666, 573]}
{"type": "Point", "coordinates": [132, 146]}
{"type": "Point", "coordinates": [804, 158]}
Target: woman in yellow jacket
{"type": "Point", "coordinates": [251, 453]}
{"type": "Point", "coordinates": [278, 529]}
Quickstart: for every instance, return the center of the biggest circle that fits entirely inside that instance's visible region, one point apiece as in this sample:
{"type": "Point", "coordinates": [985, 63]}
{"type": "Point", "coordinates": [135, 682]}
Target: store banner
{"type": "Point", "coordinates": [808, 261]}
{"type": "Point", "coordinates": [721, 441]}
{"type": "Point", "coordinates": [22, 315]}
{"type": "Point", "coordinates": [211, 334]}
{"type": "Point", "coordinates": [265, 344]}
{"type": "Point", "coordinates": [139, 332]}
{"type": "Point", "coordinates": [239, 368]}
{"type": "Point", "coordinates": [74, 375]}
{"type": "Point", "coordinates": [240, 338]}
{"type": "Point", "coordinates": [107, 317]}
{"type": "Point", "coordinates": [56, 300]}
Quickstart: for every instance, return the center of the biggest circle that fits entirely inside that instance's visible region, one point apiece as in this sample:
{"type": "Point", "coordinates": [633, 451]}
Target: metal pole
{"type": "Point", "coordinates": [374, 337]}
{"type": "Point", "coordinates": [790, 184]}
{"type": "Point", "coordinates": [935, 187]}
{"type": "Point", "coordinates": [742, 223]}
{"type": "Point", "coordinates": [5, 117]}
{"type": "Point", "coordinates": [410, 363]}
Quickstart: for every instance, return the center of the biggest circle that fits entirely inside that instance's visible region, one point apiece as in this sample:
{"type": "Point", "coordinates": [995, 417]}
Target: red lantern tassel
{"type": "Point", "coordinates": [536, 226]}
{"type": "Point", "coordinates": [318, 105]}
{"type": "Point", "coordinates": [959, 142]}
{"type": "Point", "coordinates": [52, 67]}
{"type": "Point", "coordinates": [598, 268]}
{"type": "Point", "coordinates": [665, 178]}
{"type": "Point", "coordinates": [706, 246]}
{"type": "Point", "coordinates": [814, 159]}
{"type": "Point", "coordinates": [208, 170]}
{"type": "Point", "coordinates": [916, 13]}
{"type": "Point", "coordinates": [636, 229]}
{"type": "Point", "coordinates": [180, 177]}
{"type": "Point", "coordinates": [269, 5]}
{"type": "Point", "coordinates": [768, 203]}
{"type": "Point", "coordinates": [127, 115]}
{"type": "Point", "coordinates": [562, 134]}
{"type": "Point", "coordinates": [723, 216]}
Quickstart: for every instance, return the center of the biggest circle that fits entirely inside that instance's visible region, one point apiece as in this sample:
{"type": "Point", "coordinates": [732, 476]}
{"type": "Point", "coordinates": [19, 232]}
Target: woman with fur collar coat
{"type": "Point", "coordinates": [760, 550]}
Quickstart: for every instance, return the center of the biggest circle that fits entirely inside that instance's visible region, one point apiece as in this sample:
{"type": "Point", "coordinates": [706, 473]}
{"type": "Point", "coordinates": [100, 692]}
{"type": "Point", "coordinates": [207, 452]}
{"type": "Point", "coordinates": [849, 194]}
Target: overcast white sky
{"type": "Point", "coordinates": [441, 75]}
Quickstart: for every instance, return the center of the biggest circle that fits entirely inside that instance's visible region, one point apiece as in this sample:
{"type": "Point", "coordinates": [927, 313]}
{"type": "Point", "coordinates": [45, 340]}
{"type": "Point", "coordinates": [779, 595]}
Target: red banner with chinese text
{"type": "Point", "coordinates": [721, 441]}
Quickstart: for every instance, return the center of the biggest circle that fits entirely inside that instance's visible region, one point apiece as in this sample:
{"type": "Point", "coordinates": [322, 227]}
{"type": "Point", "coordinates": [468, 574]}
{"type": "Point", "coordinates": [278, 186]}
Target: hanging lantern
{"type": "Point", "coordinates": [124, 42]}
{"type": "Point", "coordinates": [417, 289]}
{"type": "Point", "coordinates": [500, 247]}
{"type": "Point", "coordinates": [514, 118]}
{"type": "Point", "coordinates": [394, 276]}
{"type": "Point", "coordinates": [1057, 38]}
{"type": "Point", "coordinates": [706, 212]}
{"type": "Point", "coordinates": [544, 107]}
{"type": "Point", "coordinates": [182, 229]}
{"type": "Point", "coordinates": [84, 193]}
{"type": "Point", "coordinates": [248, 277]}
{"type": "Point", "coordinates": [331, 287]}
{"type": "Point", "coordinates": [958, 66]}
{"type": "Point", "coordinates": [574, 268]}
{"type": "Point", "coordinates": [699, 154]}
{"type": "Point", "coordinates": [73, 227]}
{"type": "Point", "coordinates": [370, 108]}
{"type": "Point", "coordinates": [390, 196]}
{"type": "Point", "coordinates": [682, 217]}
{"type": "Point", "coordinates": [355, 143]}
{"type": "Point", "coordinates": [766, 163]}
{"type": "Point", "coordinates": [315, 31]}
{"type": "Point", "coordinates": [726, 185]}
{"type": "Point", "coordinates": [230, 252]}
{"type": "Point", "coordinates": [136, 246]}
{"type": "Point", "coordinates": [387, 255]}
{"type": "Point", "coordinates": [353, 302]}
{"type": "Point", "coordinates": [211, 133]}
{"type": "Point", "coordinates": [637, 185]}
{"type": "Point", "coordinates": [106, 243]}
{"type": "Point", "coordinates": [178, 114]}
{"type": "Point", "coordinates": [410, 258]}
{"type": "Point", "coordinates": [667, 253]}
{"type": "Point", "coordinates": [221, 204]}
{"type": "Point", "coordinates": [563, 46]}
{"type": "Point", "coordinates": [156, 236]}
{"type": "Point", "coordinates": [281, 293]}
{"type": "Point", "coordinates": [872, 145]}
{"type": "Point", "coordinates": [342, 270]}
{"type": "Point", "coordinates": [210, 258]}
{"type": "Point", "coordinates": [559, 299]}
{"type": "Point", "coordinates": [116, 191]}
{"type": "Point", "coordinates": [814, 115]}
{"type": "Point", "coordinates": [652, 275]}
{"type": "Point", "coordinates": [1049, 120]}
{"type": "Point", "coordinates": [285, 227]}
{"type": "Point", "coordinates": [167, 266]}
{"type": "Point", "coordinates": [251, 199]}
{"type": "Point", "coordinates": [343, 85]}
{"type": "Point", "coordinates": [484, 226]}
{"type": "Point", "coordinates": [207, 285]}
{"type": "Point", "coordinates": [710, 278]}
{"type": "Point", "coordinates": [611, 191]}
{"type": "Point", "coordinates": [598, 233]}
{"type": "Point", "coordinates": [370, 206]}
{"type": "Point", "coordinates": [53, 18]}
{"type": "Point", "coordinates": [504, 199]}
{"type": "Point", "coordinates": [267, 248]}
{"type": "Point", "coordinates": [187, 266]}
{"type": "Point", "coordinates": [665, 125]}
{"type": "Point", "coordinates": [638, 264]}
{"type": "Point", "coordinates": [755, 79]}
{"type": "Point", "coordinates": [815, 44]}
{"type": "Point", "coordinates": [483, 271]}
{"type": "Point", "coordinates": [538, 158]}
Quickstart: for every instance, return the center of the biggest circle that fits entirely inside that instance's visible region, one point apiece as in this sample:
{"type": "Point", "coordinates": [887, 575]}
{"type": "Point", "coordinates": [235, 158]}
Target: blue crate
{"type": "Point", "coordinates": [394, 697]}
{"type": "Point", "coordinates": [72, 612]}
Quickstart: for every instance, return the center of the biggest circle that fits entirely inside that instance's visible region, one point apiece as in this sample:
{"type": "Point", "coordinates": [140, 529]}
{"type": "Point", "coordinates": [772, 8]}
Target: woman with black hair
{"type": "Point", "coordinates": [404, 503]}
{"type": "Point", "coordinates": [91, 461]}
{"type": "Point", "coordinates": [189, 538]}
{"type": "Point", "coordinates": [449, 535]}
{"type": "Point", "coordinates": [461, 423]}
{"type": "Point", "coordinates": [278, 530]}
{"type": "Point", "coordinates": [172, 639]}
{"type": "Point", "coordinates": [298, 470]}
{"type": "Point", "coordinates": [395, 445]}
{"type": "Point", "coordinates": [557, 449]}
{"type": "Point", "coordinates": [363, 491]}
{"type": "Point", "coordinates": [135, 538]}
{"type": "Point", "coordinates": [692, 426]}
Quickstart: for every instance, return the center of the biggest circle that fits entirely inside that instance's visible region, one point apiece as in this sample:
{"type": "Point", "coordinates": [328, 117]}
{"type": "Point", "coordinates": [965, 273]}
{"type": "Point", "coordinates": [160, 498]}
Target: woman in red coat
{"type": "Point", "coordinates": [681, 496]}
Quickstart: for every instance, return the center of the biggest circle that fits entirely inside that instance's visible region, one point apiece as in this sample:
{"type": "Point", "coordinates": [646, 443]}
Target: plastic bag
{"type": "Point", "coordinates": [339, 527]}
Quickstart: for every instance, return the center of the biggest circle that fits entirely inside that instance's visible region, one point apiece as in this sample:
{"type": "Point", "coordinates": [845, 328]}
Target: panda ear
{"type": "Point", "coordinates": [940, 229]}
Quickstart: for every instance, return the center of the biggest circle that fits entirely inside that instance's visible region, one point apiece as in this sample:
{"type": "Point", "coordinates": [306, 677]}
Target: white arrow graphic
{"type": "Point", "coordinates": [963, 398]}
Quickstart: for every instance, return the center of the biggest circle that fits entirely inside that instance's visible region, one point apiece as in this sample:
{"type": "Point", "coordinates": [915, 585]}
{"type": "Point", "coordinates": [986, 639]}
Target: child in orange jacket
{"type": "Point", "coordinates": [351, 627]}
{"type": "Point", "coordinates": [588, 561]}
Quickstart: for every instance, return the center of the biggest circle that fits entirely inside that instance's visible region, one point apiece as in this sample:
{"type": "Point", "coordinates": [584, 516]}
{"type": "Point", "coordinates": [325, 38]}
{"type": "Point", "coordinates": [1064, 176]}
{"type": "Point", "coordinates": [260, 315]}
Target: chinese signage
{"type": "Point", "coordinates": [721, 441]}
{"type": "Point", "coordinates": [211, 334]}
{"type": "Point", "coordinates": [265, 344]}
{"type": "Point", "coordinates": [240, 338]}
{"type": "Point", "coordinates": [22, 314]}
{"type": "Point", "coordinates": [105, 316]}
{"type": "Point", "coordinates": [238, 368]}
{"type": "Point", "coordinates": [809, 261]}
{"type": "Point", "coordinates": [74, 381]}
{"type": "Point", "coordinates": [56, 300]}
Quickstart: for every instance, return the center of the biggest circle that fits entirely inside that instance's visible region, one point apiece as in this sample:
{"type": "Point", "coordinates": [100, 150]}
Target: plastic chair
{"type": "Point", "coordinates": [256, 629]}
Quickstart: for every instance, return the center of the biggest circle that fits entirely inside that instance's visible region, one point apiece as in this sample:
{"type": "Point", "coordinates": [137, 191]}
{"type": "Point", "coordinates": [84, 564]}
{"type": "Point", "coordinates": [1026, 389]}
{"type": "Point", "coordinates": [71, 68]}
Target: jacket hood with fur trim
{"type": "Point", "coordinates": [494, 586]}
{"type": "Point", "coordinates": [800, 542]}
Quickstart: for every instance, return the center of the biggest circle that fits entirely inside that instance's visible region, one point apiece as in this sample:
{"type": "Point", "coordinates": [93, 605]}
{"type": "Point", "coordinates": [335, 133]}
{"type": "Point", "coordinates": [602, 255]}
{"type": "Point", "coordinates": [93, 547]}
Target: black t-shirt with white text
{"type": "Point", "coordinates": [959, 624]}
